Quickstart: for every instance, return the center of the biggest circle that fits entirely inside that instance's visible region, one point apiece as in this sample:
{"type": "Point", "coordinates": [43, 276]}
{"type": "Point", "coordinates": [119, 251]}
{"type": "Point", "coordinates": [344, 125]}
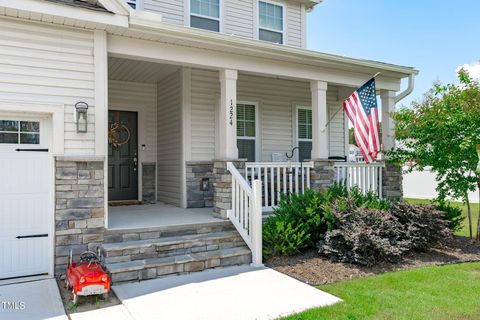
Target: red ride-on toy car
{"type": "Point", "coordinates": [88, 277]}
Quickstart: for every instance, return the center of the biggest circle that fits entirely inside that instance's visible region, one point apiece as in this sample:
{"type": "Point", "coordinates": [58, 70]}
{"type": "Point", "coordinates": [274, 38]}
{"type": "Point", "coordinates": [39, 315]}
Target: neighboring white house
{"type": "Point", "coordinates": [104, 101]}
{"type": "Point", "coordinates": [422, 185]}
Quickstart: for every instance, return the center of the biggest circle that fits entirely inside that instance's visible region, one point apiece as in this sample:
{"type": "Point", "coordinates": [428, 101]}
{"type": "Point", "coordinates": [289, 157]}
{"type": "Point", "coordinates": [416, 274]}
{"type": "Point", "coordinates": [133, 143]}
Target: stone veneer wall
{"type": "Point", "coordinates": [322, 174]}
{"type": "Point", "coordinates": [148, 182]}
{"type": "Point", "coordinates": [195, 172]}
{"type": "Point", "coordinates": [79, 207]}
{"type": "Point", "coordinates": [222, 186]}
{"type": "Point", "coordinates": [392, 182]}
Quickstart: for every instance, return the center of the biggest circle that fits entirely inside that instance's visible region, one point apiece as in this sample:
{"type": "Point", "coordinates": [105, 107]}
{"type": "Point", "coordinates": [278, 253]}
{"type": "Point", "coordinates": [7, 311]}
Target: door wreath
{"type": "Point", "coordinates": [114, 134]}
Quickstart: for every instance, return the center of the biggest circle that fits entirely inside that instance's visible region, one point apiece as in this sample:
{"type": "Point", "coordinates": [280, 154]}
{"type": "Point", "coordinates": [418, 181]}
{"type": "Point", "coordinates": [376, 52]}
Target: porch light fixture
{"type": "Point", "coordinates": [81, 109]}
{"type": "Point", "coordinates": [205, 184]}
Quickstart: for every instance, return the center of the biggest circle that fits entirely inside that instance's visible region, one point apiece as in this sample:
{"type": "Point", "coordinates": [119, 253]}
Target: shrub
{"type": "Point", "coordinates": [281, 236]}
{"type": "Point", "coordinates": [422, 225]}
{"type": "Point", "coordinates": [367, 236]}
{"type": "Point", "coordinates": [363, 236]}
{"type": "Point", "coordinates": [451, 214]}
{"type": "Point", "coordinates": [308, 210]}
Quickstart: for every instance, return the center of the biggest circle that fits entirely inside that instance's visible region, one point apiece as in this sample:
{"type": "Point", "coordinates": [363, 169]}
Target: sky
{"type": "Point", "coordinates": [434, 36]}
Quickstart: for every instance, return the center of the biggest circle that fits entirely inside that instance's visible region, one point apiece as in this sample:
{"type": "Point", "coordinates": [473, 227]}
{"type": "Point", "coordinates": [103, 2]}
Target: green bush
{"type": "Point", "coordinates": [282, 237]}
{"type": "Point", "coordinates": [451, 214]}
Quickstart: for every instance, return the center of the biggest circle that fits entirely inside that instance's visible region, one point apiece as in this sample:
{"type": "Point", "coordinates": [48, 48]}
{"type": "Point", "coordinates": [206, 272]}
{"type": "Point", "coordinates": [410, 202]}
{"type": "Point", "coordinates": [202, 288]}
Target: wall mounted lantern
{"type": "Point", "coordinates": [81, 109]}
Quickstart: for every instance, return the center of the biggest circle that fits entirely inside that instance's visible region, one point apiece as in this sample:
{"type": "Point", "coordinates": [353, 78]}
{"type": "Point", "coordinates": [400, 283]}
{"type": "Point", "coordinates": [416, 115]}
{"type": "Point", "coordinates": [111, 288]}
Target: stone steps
{"type": "Point", "coordinates": [151, 258]}
{"type": "Point", "coordinates": [137, 270]}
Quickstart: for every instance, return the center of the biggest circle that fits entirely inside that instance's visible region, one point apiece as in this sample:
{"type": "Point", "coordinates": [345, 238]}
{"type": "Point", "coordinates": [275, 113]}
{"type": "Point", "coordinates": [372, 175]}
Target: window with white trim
{"type": "Point", "coordinates": [270, 22]}
{"type": "Point", "coordinates": [19, 132]}
{"type": "Point", "coordinates": [246, 131]}
{"type": "Point", "coordinates": [132, 3]}
{"type": "Point", "coordinates": [205, 14]}
{"type": "Point", "coordinates": [304, 133]}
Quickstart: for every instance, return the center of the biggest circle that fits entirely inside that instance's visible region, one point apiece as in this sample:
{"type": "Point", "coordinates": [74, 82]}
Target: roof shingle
{"type": "Point", "coordinates": [86, 4]}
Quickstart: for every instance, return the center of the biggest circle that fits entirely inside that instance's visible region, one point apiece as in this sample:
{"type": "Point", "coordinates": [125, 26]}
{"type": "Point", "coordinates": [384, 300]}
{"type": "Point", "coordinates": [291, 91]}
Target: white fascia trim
{"type": "Point", "coordinates": [146, 19]}
{"type": "Point", "coordinates": [55, 9]}
{"type": "Point", "coordinates": [283, 52]}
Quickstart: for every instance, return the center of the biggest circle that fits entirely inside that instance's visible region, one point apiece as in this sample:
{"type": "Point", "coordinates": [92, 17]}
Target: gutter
{"type": "Point", "coordinates": [411, 85]}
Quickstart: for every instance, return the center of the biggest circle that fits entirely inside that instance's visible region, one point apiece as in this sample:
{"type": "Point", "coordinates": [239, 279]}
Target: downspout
{"type": "Point", "coordinates": [402, 95]}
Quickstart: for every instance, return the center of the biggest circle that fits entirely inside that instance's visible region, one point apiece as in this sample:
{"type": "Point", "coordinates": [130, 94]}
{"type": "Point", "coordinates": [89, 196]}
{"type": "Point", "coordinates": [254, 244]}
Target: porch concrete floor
{"type": "Point", "coordinates": [157, 215]}
{"type": "Point", "coordinates": [235, 293]}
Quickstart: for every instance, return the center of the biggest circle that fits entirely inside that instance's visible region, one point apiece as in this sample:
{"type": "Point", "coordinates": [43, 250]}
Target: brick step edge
{"type": "Point", "coordinates": [159, 267]}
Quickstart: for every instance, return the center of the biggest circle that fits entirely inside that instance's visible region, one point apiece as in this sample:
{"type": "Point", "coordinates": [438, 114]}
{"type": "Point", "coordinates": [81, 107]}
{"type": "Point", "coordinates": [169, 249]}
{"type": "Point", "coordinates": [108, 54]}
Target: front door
{"type": "Point", "coordinates": [122, 156]}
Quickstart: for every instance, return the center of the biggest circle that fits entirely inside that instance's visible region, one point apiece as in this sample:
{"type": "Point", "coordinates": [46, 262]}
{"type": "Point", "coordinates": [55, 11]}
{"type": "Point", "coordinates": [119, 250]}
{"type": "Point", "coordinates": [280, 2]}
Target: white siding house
{"type": "Point", "coordinates": [194, 120]}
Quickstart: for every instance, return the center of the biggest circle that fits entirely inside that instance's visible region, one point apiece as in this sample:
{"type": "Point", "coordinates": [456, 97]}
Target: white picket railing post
{"type": "Point", "coordinates": [278, 178]}
{"type": "Point", "coordinates": [257, 223]}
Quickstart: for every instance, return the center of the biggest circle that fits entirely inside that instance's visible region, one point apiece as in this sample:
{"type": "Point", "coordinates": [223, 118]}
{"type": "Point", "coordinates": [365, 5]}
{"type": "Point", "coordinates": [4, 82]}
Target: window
{"type": "Point", "coordinates": [270, 22]}
{"type": "Point", "coordinates": [205, 14]}
{"type": "Point", "coordinates": [19, 132]}
{"type": "Point", "coordinates": [304, 133]}
{"type": "Point", "coordinates": [132, 3]}
{"type": "Point", "coordinates": [246, 131]}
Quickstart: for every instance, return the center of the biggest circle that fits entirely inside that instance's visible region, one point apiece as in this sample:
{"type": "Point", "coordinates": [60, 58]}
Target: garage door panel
{"type": "Point", "coordinates": [26, 210]}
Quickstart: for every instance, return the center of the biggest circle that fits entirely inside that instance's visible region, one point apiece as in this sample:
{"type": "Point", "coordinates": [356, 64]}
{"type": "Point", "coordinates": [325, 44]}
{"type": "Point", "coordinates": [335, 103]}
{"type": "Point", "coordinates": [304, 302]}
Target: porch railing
{"type": "Point", "coordinates": [367, 177]}
{"type": "Point", "coordinates": [246, 212]}
{"type": "Point", "coordinates": [278, 178]}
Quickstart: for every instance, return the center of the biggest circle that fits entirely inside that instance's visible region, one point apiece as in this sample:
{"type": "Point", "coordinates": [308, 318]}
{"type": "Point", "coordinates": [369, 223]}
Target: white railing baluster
{"type": "Point", "coordinates": [246, 212]}
{"type": "Point", "coordinates": [367, 177]}
{"type": "Point", "coordinates": [278, 184]}
{"type": "Point", "coordinates": [272, 186]}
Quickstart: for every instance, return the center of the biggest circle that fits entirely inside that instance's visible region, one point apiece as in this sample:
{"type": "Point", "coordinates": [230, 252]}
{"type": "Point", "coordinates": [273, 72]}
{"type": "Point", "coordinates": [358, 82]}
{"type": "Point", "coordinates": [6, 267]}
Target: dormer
{"type": "Point", "coordinates": [276, 21]}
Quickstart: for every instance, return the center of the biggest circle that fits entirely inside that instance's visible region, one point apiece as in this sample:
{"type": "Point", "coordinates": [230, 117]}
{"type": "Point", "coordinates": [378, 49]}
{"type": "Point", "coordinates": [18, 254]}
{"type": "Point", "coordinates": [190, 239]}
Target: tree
{"type": "Point", "coordinates": [442, 132]}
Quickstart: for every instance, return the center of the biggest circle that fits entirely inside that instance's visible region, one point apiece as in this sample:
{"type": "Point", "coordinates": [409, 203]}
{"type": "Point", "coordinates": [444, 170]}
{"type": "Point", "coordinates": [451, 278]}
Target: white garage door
{"type": "Point", "coordinates": [25, 197]}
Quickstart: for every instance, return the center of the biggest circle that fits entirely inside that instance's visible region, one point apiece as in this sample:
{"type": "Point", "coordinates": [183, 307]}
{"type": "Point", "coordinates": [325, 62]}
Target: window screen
{"type": "Point", "coordinates": [205, 14]}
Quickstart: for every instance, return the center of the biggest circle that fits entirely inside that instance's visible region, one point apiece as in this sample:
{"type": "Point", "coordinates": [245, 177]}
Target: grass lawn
{"type": "Point", "coordinates": [431, 293]}
{"type": "Point", "coordinates": [464, 231]}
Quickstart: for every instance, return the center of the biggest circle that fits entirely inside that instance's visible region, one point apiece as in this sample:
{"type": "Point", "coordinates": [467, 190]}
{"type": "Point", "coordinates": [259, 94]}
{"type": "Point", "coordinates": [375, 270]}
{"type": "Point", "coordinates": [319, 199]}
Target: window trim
{"type": "Point", "coordinates": [257, 139]}
{"type": "Point", "coordinates": [189, 14]}
{"type": "Point", "coordinates": [284, 21]}
{"type": "Point", "coordinates": [295, 118]}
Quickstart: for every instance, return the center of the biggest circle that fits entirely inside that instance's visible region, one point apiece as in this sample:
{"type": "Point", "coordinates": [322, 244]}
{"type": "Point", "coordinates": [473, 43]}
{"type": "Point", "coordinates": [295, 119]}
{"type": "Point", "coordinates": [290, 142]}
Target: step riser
{"type": "Point", "coordinates": [168, 251]}
{"type": "Point", "coordinates": [116, 236]}
{"type": "Point", "coordinates": [179, 268]}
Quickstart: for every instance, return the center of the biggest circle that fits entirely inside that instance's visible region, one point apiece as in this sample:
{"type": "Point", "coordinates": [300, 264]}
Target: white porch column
{"type": "Point", "coordinates": [319, 120]}
{"type": "Point", "coordinates": [227, 123]}
{"type": "Point", "coordinates": [388, 106]}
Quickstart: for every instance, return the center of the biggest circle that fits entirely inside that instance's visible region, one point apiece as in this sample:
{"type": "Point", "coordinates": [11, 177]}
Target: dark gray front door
{"type": "Point", "coordinates": [122, 156]}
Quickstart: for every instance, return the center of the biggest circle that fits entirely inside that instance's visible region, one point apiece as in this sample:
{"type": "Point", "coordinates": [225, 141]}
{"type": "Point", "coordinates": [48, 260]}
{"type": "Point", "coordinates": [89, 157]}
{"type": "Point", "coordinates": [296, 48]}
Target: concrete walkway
{"type": "Point", "coordinates": [34, 300]}
{"type": "Point", "coordinates": [241, 293]}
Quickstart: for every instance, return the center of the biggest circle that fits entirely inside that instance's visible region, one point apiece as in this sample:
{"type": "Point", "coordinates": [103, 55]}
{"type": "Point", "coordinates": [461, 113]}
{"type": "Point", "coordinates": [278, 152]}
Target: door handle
{"type": "Point", "coordinates": [33, 236]}
{"type": "Point", "coordinates": [135, 162]}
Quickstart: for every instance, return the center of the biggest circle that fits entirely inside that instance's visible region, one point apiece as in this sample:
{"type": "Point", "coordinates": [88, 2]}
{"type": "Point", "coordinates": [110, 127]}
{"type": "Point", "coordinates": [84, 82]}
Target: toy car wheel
{"type": "Point", "coordinates": [75, 298]}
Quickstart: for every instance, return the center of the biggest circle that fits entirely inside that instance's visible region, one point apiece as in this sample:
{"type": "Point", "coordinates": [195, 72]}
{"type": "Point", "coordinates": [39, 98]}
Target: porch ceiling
{"type": "Point", "coordinates": [138, 71]}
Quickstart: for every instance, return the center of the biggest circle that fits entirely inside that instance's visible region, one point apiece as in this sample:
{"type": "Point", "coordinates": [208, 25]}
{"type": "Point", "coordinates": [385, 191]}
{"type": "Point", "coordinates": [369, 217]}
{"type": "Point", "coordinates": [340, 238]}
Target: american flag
{"type": "Point", "coordinates": [361, 109]}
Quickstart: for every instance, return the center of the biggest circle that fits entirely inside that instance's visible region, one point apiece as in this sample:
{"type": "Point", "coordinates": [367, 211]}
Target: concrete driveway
{"type": "Point", "coordinates": [241, 293]}
{"type": "Point", "coordinates": [31, 301]}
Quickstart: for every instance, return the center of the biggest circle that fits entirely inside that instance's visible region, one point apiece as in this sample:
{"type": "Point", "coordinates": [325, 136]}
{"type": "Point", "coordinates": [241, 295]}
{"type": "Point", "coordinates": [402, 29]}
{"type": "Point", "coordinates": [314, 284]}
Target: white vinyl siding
{"type": "Point", "coordinates": [205, 91]}
{"type": "Point", "coordinates": [172, 11]}
{"type": "Point", "coordinates": [134, 96]}
{"type": "Point", "coordinates": [294, 24]}
{"type": "Point", "coordinates": [337, 128]}
{"type": "Point", "coordinates": [239, 18]}
{"type": "Point", "coordinates": [169, 155]}
{"type": "Point", "coordinates": [47, 64]}
{"type": "Point", "coordinates": [276, 98]}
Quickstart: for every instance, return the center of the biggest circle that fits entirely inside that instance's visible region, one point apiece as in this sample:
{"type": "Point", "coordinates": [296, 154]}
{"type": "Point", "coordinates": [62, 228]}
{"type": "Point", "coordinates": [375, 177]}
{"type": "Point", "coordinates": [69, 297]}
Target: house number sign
{"type": "Point", "coordinates": [231, 112]}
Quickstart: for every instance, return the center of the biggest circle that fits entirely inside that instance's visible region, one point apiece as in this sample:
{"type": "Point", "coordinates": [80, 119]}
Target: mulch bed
{"type": "Point", "coordinates": [314, 269]}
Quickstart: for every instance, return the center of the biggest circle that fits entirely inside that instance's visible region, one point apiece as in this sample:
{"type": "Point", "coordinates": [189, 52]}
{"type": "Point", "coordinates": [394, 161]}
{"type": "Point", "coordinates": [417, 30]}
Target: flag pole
{"type": "Point", "coordinates": [336, 112]}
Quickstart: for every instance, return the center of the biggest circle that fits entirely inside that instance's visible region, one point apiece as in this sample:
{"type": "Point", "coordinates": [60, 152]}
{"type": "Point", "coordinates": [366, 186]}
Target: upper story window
{"type": "Point", "coordinates": [270, 22]}
{"type": "Point", "coordinates": [132, 3]}
{"type": "Point", "coordinates": [205, 14]}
